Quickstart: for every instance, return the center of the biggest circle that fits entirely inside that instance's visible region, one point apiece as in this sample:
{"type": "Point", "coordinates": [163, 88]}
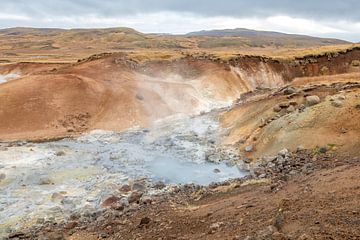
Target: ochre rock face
{"type": "Point", "coordinates": [113, 93]}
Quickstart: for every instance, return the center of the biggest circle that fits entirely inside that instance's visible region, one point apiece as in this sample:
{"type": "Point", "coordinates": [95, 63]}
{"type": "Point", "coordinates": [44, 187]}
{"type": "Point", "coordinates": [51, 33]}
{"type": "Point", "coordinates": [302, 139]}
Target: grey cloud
{"type": "Point", "coordinates": [319, 9]}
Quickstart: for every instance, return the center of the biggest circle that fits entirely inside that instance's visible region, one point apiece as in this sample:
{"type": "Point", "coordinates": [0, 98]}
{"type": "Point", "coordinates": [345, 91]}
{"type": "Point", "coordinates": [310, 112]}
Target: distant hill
{"type": "Point", "coordinates": [267, 38]}
{"type": "Point", "coordinates": [18, 44]}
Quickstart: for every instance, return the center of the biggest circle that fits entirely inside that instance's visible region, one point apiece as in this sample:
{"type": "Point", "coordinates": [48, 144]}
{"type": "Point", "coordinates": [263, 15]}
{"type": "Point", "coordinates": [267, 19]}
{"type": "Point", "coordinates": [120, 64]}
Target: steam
{"type": "Point", "coordinates": [7, 77]}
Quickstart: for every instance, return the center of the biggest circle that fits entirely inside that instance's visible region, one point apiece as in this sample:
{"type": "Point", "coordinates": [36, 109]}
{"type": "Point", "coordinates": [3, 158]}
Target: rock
{"type": "Point", "coordinates": [289, 90]}
{"type": "Point", "coordinates": [216, 170]}
{"type": "Point", "coordinates": [266, 233]}
{"type": "Point", "coordinates": [139, 97]}
{"type": "Point", "coordinates": [284, 105]}
{"type": "Point", "coordinates": [125, 188]}
{"type": "Point", "coordinates": [300, 148]}
{"type": "Point", "coordinates": [71, 225]}
{"type": "Point", "coordinates": [2, 176]}
{"type": "Point", "coordinates": [144, 221]}
{"type": "Point", "coordinates": [247, 160]}
{"type": "Point", "coordinates": [159, 185]}
{"type": "Point", "coordinates": [323, 149]}
{"type": "Point", "coordinates": [278, 236]}
{"type": "Point", "coordinates": [277, 108]}
{"type": "Point", "coordinates": [60, 153]}
{"type": "Point", "coordinates": [146, 200]}
{"type": "Point", "coordinates": [216, 226]}
{"type": "Point", "coordinates": [278, 222]}
{"type": "Point", "coordinates": [17, 235]}
{"type": "Point", "coordinates": [135, 197]}
{"type": "Point", "coordinates": [312, 100]}
{"type": "Point", "coordinates": [139, 185]}
{"type": "Point", "coordinates": [108, 202]}
{"type": "Point", "coordinates": [341, 97]}
{"type": "Point", "coordinates": [40, 221]}
{"type": "Point", "coordinates": [55, 236]}
{"type": "Point", "coordinates": [284, 152]}
{"type": "Point", "coordinates": [337, 103]}
{"type": "Point", "coordinates": [45, 181]}
{"type": "Point", "coordinates": [301, 107]}
{"type": "Point", "coordinates": [57, 197]}
{"type": "Point", "coordinates": [249, 148]}
{"type": "Point", "coordinates": [305, 237]}
{"type": "Point", "coordinates": [290, 109]}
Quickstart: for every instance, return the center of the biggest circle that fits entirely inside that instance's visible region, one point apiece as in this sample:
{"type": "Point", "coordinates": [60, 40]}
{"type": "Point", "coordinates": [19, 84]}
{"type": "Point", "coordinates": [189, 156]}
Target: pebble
{"type": "Point", "coordinates": [249, 148]}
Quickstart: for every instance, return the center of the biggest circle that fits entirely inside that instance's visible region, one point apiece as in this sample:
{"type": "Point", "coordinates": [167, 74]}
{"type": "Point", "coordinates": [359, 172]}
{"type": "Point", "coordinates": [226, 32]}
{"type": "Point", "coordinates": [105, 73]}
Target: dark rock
{"type": "Point", "coordinates": [2, 176]}
{"type": "Point", "coordinates": [71, 225]}
{"type": "Point", "coordinates": [139, 185]}
{"type": "Point", "coordinates": [125, 188]}
{"type": "Point", "coordinates": [289, 90]}
{"type": "Point", "coordinates": [323, 149]}
{"type": "Point", "coordinates": [60, 153]}
{"type": "Point", "coordinates": [216, 170]}
{"type": "Point", "coordinates": [159, 185]}
{"type": "Point", "coordinates": [284, 105]}
{"type": "Point", "coordinates": [144, 221]}
{"type": "Point", "coordinates": [135, 197]}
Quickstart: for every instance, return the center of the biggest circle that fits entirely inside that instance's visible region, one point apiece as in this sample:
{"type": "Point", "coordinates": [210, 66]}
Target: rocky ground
{"type": "Point", "coordinates": [280, 163]}
{"type": "Point", "coordinates": [307, 194]}
{"type": "Point", "coordinates": [132, 185]}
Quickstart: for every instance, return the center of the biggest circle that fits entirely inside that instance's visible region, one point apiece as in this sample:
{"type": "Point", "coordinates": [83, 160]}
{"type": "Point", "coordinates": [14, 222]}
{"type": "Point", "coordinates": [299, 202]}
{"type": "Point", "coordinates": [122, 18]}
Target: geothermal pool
{"type": "Point", "coordinates": [89, 168]}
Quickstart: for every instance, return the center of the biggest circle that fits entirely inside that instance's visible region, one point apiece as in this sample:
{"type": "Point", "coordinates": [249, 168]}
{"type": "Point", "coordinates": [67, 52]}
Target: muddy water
{"type": "Point", "coordinates": [88, 169]}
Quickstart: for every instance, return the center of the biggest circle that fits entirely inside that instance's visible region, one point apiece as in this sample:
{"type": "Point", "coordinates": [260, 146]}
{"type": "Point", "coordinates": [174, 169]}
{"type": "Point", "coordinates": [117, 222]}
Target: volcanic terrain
{"type": "Point", "coordinates": [134, 136]}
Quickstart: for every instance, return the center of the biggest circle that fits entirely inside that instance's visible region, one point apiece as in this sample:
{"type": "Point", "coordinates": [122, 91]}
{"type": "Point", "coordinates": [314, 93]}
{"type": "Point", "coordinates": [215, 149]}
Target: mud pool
{"type": "Point", "coordinates": [87, 169]}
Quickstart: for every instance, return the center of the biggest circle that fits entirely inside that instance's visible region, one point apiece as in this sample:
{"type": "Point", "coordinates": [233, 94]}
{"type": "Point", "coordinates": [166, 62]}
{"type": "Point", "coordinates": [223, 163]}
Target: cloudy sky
{"type": "Point", "coordinates": [325, 18]}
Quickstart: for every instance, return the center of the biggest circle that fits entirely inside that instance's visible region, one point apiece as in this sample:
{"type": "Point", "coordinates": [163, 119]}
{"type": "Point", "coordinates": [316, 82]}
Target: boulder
{"type": "Point", "coordinates": [312, 100]}
{"type": "Point", "coordinates": [289, 90]}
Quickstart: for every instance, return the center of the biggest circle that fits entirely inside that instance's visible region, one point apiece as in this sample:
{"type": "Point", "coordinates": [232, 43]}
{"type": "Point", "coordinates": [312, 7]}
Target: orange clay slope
{"type": "Point", "coordinates": [114, 92]}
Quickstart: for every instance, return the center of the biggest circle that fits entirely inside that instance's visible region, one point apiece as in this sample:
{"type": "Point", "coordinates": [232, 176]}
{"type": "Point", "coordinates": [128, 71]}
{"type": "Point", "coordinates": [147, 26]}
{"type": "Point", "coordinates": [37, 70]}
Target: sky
{"type": "Point", "coordinates": [323, 18]}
